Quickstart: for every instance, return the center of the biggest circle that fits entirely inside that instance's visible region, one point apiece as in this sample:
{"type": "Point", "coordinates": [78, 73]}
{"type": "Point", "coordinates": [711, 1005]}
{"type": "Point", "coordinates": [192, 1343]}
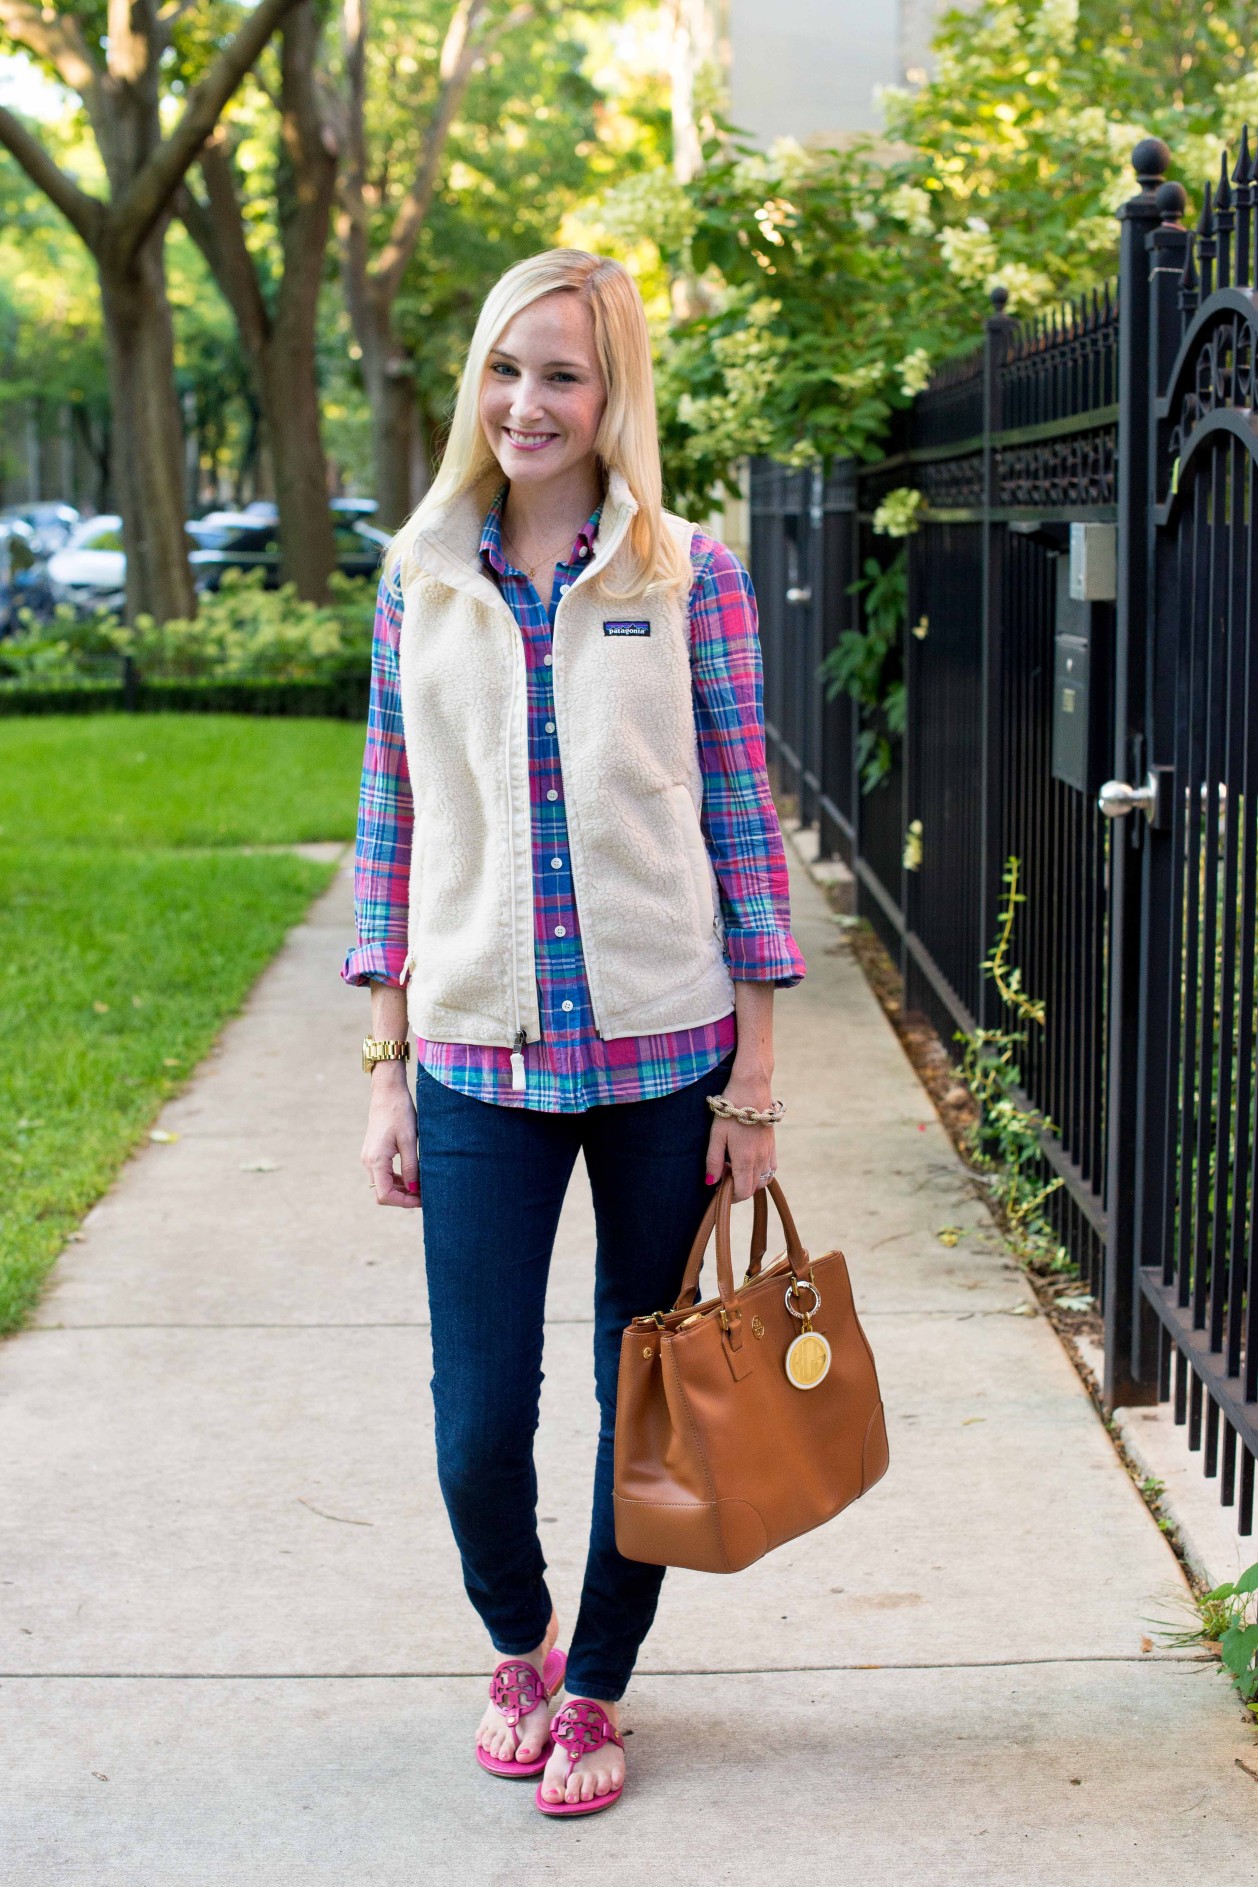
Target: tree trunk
{"type": "Point", "coordinates": [288, 389]}
{"type": "Point", "coordinates": [421, 455]}
{"type": "Point", "coordinates": [388, 378]}
{"type": "Point", "coordinates": [147, 444]}
{"type": "Point", "coordinates": [277, 331]}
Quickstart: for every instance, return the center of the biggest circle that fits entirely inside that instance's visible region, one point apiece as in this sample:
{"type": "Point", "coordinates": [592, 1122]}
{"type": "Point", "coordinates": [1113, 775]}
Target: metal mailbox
{"type": "Point", "coordinates": [1080, 684]}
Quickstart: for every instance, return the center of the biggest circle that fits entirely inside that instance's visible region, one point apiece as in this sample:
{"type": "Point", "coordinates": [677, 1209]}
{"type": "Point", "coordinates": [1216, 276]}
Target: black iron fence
{"type": "Point", "coordinates": [1080, 654]}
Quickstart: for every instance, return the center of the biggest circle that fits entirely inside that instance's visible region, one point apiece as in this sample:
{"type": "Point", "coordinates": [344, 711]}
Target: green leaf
{"type": "Point", "coordinates": [1238, 1647]}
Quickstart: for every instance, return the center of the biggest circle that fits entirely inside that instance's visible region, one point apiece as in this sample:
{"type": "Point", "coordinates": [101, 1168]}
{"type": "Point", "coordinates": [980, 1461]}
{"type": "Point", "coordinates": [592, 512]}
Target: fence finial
{"type": "Point", "coordinates": [1243, 179]}
{"type": "Point", "coordinates": [999, 298]}
{"type": "Point", "coordinates": [1149, 160]}
{"type": "Point", "coordinates": [1172, 201]}
{"type": "Point", "coordinates": [1206, 244]}
{"type": "Point", "coordinates": [1223, 195]}
{"type": "Point", "coordinates": [1188, 284]}
{"type": "Point", "coordinates": [1224, 220]}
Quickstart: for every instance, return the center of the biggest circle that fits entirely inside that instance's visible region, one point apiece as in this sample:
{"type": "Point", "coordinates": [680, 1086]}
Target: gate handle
{"type": "Point", "coordinates": [796, 594]}
{"type": "Point", "coordinates": [1116, 798]}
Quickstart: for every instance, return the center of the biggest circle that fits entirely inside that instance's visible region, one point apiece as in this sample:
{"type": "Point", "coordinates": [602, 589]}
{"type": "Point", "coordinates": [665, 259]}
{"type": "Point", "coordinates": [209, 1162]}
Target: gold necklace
{"type": "Point", "coordinates": [531, 570]}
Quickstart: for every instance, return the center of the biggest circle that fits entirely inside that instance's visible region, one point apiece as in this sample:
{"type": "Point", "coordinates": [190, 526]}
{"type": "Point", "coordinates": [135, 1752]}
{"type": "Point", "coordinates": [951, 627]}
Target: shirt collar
{"type": "Point", "coordinates": [495, 556]}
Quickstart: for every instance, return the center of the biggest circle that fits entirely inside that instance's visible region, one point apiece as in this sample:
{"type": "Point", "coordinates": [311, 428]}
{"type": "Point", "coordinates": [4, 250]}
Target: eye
{"type": "Point", "coordinates": [562, 375]}
{"type": "Point", "coordinates": [503, 369]}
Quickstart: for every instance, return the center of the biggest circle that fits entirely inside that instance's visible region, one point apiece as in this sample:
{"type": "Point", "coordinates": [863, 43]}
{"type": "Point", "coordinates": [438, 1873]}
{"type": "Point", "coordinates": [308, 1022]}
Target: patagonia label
{"type": "Point", "coordinates": [626, 628]}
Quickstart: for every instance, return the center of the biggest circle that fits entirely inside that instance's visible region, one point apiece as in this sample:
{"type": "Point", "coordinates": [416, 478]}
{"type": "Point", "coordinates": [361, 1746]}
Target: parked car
{"type": "Point", "coordinates": [23, 575]}
{"type": "Point", "coordinates": [90, 572]}
{"type": "Point", "coordinates": [49, 520]}
{"type": "Point", "coordinates": [243, 540]}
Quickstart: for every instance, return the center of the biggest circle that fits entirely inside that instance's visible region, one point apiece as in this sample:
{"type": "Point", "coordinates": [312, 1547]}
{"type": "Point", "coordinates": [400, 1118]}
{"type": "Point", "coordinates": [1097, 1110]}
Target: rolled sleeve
{"type": "Point", "coordinates": [740, 822]}
{"type": "Point", "coordinates": [386, 817]}
{"type": "Point", "coordinates": [764, 956]}
{"type": "Point", "coordinates": [375, 963]}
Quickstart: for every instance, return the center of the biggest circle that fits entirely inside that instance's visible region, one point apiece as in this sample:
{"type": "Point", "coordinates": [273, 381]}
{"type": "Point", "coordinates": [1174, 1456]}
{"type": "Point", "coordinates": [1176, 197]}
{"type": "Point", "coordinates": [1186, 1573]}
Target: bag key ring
{"type": "Point", "coordinates": [807, 1360]}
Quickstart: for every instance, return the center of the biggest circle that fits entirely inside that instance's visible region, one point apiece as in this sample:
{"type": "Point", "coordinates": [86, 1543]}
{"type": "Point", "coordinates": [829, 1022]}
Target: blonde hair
{"type": "Point", "coordinates": [627, 441]}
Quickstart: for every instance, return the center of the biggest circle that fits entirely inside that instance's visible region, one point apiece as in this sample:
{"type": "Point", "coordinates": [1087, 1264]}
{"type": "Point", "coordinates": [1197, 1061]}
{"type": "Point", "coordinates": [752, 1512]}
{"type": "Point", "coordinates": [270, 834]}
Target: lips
{"type": "Point", "coordinates": [529, 441]}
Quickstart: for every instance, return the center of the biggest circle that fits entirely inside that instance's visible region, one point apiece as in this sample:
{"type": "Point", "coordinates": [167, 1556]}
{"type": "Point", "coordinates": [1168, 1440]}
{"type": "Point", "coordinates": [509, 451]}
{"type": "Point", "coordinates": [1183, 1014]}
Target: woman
{"type": "Point", "coordinates": [569, 880]}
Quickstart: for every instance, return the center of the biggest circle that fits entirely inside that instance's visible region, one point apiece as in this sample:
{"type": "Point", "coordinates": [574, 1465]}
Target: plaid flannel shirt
{"type": "Point", "coordinates": [571, 1068]}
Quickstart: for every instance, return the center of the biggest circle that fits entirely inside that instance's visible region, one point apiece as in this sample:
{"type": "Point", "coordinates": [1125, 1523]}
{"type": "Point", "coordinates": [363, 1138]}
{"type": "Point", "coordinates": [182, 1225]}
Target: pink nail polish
{"type": "Point", "coordinates": [709, 1179]}
{"type": "Point", "coordinates": [412, 1185]}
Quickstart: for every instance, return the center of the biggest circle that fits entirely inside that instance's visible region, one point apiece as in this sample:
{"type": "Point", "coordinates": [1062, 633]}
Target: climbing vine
{"type": "Point", "coordinates": [1004, 1140]}
{"type": "Point", "coordinates": [867, 664]}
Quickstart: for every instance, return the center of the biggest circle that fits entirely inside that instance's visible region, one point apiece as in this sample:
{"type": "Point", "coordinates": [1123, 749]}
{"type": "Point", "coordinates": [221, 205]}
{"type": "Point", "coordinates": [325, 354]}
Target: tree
{"type": "Point", "coordinates": [124, 230]}
{"type": "Point", "coordinates": [384, 209]}
{"type": "Point", "coordinates": [52, 359]}
{"type": "Point", "coordinates": [277, 321]}
{"type": "Point", "coordinates": [837, 279]}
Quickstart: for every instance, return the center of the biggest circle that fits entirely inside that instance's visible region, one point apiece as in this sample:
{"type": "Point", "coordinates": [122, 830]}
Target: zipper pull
{"type": "Point", "coordinates": [407, 965]}
{"type": "Point", "coordinates": [517, 1062]}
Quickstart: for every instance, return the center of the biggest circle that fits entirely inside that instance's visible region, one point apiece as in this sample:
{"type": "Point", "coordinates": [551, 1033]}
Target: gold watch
{"type": "Point", "coordinates": [374, 1051]}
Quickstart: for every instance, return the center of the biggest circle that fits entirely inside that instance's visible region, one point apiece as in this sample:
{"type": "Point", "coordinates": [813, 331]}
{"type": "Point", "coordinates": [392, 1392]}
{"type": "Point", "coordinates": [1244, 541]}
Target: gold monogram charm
{"type": "Point", "coordinates": [807, 1359]}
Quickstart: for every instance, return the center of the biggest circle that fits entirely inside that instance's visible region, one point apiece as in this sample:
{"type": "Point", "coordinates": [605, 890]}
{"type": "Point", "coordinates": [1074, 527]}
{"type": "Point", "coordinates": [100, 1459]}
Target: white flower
{"type": "Point", "coordinates": [910, 205]}
{"type": "Point", "coordinates": [899, 513]}
{"type": "Point", "coordinates": [969, 254]}
{"type": "Point", "coordinates": [1054, 27]}
{"type": "Point", "coordinates": [914, 372]}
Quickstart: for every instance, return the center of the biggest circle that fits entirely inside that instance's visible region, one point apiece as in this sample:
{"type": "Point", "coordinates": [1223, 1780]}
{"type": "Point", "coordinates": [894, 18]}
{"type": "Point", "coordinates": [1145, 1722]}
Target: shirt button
{"type": "Point", "coordinates": [565, 1006]}
{"type": "Point", "coordinates": [556, 864]}
{"type": "Point", "coordinates": [563, 589]}
{"type": "Point", "coordinates": [561, 930]}
{"type": "Point", "coordinates": [552, 794]}
{"type": "Point", "coordinates": [550, 727]}
{"type": "Point", "coordinates": [547, 660]}
{"type": "Point", "coordinates": [584, 551]}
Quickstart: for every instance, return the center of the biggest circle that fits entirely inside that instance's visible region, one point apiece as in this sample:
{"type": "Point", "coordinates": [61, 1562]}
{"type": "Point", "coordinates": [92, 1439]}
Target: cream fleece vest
{"type": "Point", "coordinates": [646, 892]}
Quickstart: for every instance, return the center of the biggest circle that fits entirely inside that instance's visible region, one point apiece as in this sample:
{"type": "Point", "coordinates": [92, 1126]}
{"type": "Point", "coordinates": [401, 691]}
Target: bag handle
{"type": "Point", "coordinates": [717, 1216]}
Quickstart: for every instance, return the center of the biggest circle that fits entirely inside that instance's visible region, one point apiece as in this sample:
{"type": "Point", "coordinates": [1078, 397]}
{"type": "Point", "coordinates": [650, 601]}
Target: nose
{"type": "Point", "coordinates": [526, 400]}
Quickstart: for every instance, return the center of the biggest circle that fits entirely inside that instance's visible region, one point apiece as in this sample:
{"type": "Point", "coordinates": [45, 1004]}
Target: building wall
{"type": "Point", "coordinates": [808, 69]}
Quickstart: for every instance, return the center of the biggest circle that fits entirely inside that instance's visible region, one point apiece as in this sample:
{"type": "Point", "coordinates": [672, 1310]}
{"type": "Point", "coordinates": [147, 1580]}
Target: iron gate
{"type": "Point", "coordinates": [1133, 414]}
{"type": "Point", "coordinates": [1192, 758]}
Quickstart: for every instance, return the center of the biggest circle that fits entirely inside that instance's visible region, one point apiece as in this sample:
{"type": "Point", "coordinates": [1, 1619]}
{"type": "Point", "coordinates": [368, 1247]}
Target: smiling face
{"type": "Point", "coordinates": [543, 396]}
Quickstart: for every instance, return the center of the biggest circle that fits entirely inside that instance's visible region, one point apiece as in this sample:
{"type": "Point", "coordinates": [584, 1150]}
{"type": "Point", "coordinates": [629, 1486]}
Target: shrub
{"type": "Point", "coordinates": [242, 632]}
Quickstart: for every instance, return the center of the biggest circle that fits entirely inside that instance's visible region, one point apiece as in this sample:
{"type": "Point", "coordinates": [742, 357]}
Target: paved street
{"type": "Point", "coordinates": [233, 1642]}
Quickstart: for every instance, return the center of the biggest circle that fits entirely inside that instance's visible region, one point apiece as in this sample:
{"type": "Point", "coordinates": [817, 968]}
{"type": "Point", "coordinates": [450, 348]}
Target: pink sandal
{"type": "Point", "coordinates": [580, 1728]}
{"type": "Point", "coordinates": [516, 1690]}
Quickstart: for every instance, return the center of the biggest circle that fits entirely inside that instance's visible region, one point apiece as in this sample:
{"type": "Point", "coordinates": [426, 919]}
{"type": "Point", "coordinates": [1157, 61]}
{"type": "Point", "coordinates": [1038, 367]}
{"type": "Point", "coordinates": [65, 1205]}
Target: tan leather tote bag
{"type": "Point", "coordinates": [751, 1418]}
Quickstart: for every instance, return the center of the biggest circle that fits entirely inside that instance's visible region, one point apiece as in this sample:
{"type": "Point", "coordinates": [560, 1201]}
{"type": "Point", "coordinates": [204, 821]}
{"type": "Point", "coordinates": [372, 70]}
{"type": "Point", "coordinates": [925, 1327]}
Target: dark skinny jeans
{"type": "Point", "coordinates": [493, 1180]}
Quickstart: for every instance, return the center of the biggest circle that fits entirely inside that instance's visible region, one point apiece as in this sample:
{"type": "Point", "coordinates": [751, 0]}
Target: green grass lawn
{"type": "Point", "coordinates": [177, 779]}
{"type": "Point", "coordinates": [122, 949]}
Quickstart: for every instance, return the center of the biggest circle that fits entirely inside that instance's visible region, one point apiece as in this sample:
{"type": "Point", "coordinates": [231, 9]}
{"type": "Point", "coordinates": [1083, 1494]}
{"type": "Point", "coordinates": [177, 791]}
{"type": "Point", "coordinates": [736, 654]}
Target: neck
{"type": "Point", "coordinates": [544, 512]}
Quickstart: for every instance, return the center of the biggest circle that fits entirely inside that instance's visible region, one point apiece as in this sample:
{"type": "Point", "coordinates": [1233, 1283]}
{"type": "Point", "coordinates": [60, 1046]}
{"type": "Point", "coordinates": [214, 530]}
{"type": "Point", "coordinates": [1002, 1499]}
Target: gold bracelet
{"type": "Point", "coordinates": [746, 1116]}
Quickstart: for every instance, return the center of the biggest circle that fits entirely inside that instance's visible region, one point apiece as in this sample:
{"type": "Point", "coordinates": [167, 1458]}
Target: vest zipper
{"type": "Point", "coordinates": [520, 1037]}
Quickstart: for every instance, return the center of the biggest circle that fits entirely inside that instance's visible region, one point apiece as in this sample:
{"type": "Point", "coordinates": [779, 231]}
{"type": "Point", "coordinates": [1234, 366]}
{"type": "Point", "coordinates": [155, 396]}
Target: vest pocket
{"type": "Point", "coordinates": [707, 905]}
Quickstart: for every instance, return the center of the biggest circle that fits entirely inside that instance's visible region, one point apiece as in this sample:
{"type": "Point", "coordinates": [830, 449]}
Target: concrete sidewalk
{"type": "Point", "coordinates": [233, 1642]}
